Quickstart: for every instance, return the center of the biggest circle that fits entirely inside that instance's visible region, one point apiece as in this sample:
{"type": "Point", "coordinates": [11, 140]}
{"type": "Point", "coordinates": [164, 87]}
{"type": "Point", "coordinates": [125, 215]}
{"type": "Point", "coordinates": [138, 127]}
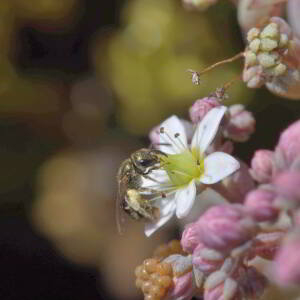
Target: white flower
{"type": "Point", "coordinates": [186, 165]}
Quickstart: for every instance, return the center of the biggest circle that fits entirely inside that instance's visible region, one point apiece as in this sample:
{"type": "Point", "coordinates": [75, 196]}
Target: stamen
{"type": "Point", "coordinates": [163, 131]}
{"type": "Point", "coordinates": [177, 135]}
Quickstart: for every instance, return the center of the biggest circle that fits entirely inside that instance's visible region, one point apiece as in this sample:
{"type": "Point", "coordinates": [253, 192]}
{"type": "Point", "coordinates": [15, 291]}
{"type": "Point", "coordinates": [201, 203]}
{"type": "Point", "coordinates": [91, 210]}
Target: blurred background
{"type": "Point", "coordinates": [81, 84]}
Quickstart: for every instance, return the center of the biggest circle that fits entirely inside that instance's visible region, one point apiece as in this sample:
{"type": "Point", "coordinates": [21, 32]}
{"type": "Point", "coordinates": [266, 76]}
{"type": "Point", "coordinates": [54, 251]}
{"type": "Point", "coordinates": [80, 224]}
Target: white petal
{"type": "Point", "coordinates": [172, 126]}
{"type": "Point", "coordinates": [189, 129]}
{"type": "Point", "coordinates": [207, 128]}
{"type": "Point", "coordinates": [185, 198]}
{"type": "Point", "coordinates": [157, 180]}
{"type": "Point", "coordinates": [217, 166]}
{"type": "Point", "coordinates": [167, 209]}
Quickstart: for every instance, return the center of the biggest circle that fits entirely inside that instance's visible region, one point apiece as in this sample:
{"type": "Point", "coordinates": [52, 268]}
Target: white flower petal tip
{"type": "Point", "coordinates": [217, 166]}
{"type": "Point", "coordinates": [166, 213]}
{"type": "Point", "coordinates": [207, 128]}
{"type": "Point", "coordinates": [170, 130]}
{"type": "Point", "coordinates": [185, 198]}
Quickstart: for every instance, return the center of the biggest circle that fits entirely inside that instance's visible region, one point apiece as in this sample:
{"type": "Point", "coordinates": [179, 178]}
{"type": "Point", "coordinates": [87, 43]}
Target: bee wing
{"type": "Point", "coordinates": [120, 215]}
{"type": "Point", "coordinates": [120, 219]}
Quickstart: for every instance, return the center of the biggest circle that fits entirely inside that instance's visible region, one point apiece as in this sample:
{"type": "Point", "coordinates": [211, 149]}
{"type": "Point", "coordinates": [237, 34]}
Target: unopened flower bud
{"type": "Point", "coordinates": [259, 204]}
{"type": "Point", "coordinates": [287, 184]}
{"type": "Point", "coordinates": [207, 260]}
{"type": "Point", "coordinates": [266, 244]}
{"type": "Point", "coordinates": [241, 123]}
{"type": "Point", "coordinates": [224, 227]}
{"type": "Point", "coordinates": [253, 12]}
{"type": "Point", "coordinates": [183, 287]}
{"type": "Point", "coordinates": [287, 261]}
{"type": "Point", "coordinates": [293, 8]}
{"type": "Point", "coordinates": [276, 51]}
{"type": "Point", "coordinates": [190, 238]}
{"type": "Point", "coordinates": [254, 76]}
{"type": "Point", "coordinates": [252, 283]}
{"type": "Point", "coordinates": [154, 135]}
{"type": "Point", "coordinates": [289, 142]}
{"type": "Point", "coordinates": [227, 290]}
{"type": "Point", "coordinates": [236, 186]}
{"type": "Point", "coordinates": [262, 166]}
{"type": "Point", "coordinates": [201, 107]}
{"type": "Point", "coordinates": [286, 85]}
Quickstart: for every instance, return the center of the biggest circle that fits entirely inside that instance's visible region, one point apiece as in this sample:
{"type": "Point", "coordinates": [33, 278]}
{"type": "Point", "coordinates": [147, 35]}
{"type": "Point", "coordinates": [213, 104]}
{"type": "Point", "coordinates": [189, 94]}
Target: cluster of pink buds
{"type": "Point", "coordinates": [218, 250]}
{"type": "Point", "coordinates": [278, 172]}
{"type": "Point", "coordinates": [261, 218]}
{"type": "Point", "coordinates": [220, 246]}
{"type": "Point", "coordinates": [239, 124]}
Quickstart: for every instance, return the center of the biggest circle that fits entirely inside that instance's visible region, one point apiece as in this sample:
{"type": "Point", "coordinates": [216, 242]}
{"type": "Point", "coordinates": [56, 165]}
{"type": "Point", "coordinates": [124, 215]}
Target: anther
{"type": "Point", "coordinates": [163, 195]}
{"type": "Point", "coordinates": [162, 130]}
{"type": "Point", "coordinates": [176, 135]}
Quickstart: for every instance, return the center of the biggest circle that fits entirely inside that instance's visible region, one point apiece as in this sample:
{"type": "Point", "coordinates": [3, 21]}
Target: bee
{"type": "Point", "coordinates": [132, 197]}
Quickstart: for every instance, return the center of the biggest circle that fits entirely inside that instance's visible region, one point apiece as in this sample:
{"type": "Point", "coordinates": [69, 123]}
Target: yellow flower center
{"type": "Point", "coordinates": [184, 167]}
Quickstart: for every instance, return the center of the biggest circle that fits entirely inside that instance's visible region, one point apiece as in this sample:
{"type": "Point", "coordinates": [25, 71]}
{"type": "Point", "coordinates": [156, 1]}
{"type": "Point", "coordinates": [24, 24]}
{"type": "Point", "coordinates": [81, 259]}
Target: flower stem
{"type": "Point", "coordinates": [222, 62]}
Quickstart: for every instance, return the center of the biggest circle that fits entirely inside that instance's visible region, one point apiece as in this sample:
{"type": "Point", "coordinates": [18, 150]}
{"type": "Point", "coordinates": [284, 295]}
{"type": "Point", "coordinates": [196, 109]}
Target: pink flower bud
{"type": "Point", "coordinates": [207, 260]}
{"type": "Point", "coordinates": [259, 204]}
{"type": "Point", "coordinates": [287, 263]}
{"type": "Point", "coordinates": [183, 287]}
{"type": "Point", "coordinates": [287, 184]}
{"type": "Point", "coordinates": [190, 238]}
{"type": "Point", "coordinates": [201, 107]}
{"type": "Point", "coordinates": [293, 8]}
{"type": "Point", "coordinates": [284, 27]}
{"type": "Point", "coordinates": [296, 218]}
{"type": "Point", "coordinates": [266, 245]}
{"type": "Point", "coordinates": [235, 187]}
{"type": "Point", "coordinates": [254, 76]}
{"type": "Point", "coordinates": [262, 165]}
{"type": "Point", "coordinates": [252, 13]}
{"type": "Point", "coordinates": [224, 227]}
{"type": "Point", "coordinates": [241, 123]}
{"type": "Point", "coordinates": [287, 86]}
{"type": "Point", "coordinates": [154, 135]}
{"type": "Point", "coordinates": [253, 283]}
{"type": "Point", "coordinates": [289, 142]}
{"type": "Point", "coordinates": [226, 290]}
{"type": "Point", "coordinates": [215, 293]}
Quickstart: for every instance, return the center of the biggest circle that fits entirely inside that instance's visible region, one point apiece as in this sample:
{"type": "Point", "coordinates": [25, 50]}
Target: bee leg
{"type": "Point", "coordinates": [149, 190]}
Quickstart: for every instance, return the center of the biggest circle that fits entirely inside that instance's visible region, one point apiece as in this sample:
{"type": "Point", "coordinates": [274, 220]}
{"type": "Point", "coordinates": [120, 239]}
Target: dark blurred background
{"type": "Point", "coordinates": [81, 84]}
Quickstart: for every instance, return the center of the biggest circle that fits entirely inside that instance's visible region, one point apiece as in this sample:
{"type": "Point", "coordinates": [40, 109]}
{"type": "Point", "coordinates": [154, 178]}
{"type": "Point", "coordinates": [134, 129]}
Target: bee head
{"type": "Point", "coordinates": [146, 160]}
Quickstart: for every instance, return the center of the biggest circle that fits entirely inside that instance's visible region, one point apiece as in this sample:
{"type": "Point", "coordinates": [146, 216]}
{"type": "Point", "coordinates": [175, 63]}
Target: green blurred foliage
{"type": "Point", "coordinates": [146, 61]}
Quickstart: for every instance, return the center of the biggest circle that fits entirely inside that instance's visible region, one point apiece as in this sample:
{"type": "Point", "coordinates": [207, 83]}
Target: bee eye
{"type": "Point", "coordinates": [145, 162]}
